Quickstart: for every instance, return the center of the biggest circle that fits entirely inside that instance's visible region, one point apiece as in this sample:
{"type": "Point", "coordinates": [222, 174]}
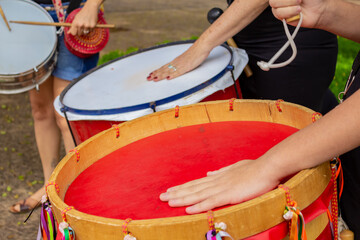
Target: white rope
{"type": "Point", "coordinates": [267, 65]}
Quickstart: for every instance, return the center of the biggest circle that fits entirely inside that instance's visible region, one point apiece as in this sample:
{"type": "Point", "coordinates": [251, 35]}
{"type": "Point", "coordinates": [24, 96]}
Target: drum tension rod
{"type": "Point", "coordinates": [63, 110]}
{"type": "Point", "coordinates": [153, 106]}
{"type": "Point", "coordinates": [231, 68]}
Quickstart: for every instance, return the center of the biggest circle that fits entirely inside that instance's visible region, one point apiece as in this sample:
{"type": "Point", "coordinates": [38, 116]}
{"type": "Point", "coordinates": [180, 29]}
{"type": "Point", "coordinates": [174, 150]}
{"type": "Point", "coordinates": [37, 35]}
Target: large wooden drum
{"type": "Point", "coordinates": [119, 173]}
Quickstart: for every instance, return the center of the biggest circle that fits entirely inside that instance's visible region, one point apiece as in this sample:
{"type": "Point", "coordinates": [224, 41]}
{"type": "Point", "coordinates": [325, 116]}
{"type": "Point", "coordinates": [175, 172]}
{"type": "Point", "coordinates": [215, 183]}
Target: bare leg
{"type": "Point", "coordinates": [59, 85]}
{"type": "Point", "coordinates": [46, 131]}
{"type": "Point", "coordinates": [47, 135]}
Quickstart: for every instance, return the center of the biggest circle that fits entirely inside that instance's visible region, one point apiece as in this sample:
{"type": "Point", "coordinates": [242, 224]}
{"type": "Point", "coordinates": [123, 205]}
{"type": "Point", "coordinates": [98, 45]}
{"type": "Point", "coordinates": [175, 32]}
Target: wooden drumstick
{"type": "Point", "coordinates": [347, 235]}
{"type": "Point", "coordinates": [295, 18]}
{"type": "Point", "coordinates": [58, 24]}
{"type": "Point", "coordinates": [3, 16]}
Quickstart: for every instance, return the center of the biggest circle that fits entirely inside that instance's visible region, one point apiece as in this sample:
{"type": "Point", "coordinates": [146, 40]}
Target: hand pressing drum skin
{"type": "Point", "coordinates": [226, 26]}
{"type": "Point", "coordinates": [184, 63]}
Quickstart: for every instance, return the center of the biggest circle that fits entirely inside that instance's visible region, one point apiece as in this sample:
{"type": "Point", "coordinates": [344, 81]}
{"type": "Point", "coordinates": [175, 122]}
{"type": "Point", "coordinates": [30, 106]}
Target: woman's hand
{"type": "Point", "coordinates": [312, 11]}
{"type": "Point", "coordinates": [184, 63]}
{"type": "Point", "coordinates": [236, 183]}
{"type": "Point", "coordinates": [85, 20]}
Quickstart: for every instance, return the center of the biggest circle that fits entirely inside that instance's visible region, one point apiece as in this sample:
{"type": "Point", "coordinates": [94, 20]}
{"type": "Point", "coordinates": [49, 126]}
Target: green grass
{"type": "Point", "coordinates": [115, 54]}
{"type": "Point", "coordinates": [118, 53]}
{"type": "Point", "coordinates": [347, 52]}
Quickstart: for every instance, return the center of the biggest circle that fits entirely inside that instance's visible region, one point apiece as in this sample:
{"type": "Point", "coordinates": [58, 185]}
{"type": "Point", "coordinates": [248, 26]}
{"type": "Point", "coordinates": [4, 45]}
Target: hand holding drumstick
{"type": "Point", "coordinates": [86, 20]}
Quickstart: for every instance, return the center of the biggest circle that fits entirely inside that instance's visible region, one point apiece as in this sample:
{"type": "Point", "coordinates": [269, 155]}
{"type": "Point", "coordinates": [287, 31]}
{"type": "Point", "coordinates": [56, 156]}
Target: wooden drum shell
{"type": "Point", "coordinates": [243, 220]}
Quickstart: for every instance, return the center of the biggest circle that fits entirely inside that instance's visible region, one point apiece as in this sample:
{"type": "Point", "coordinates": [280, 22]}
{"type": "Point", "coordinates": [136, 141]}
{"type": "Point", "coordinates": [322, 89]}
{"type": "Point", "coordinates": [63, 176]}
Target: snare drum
{"type": "Point", "coordinates": [119, 174]}
{"type": "Point", "coordinates": [27, 52]}
{"type": "Point", "coordinates": [118, 91]}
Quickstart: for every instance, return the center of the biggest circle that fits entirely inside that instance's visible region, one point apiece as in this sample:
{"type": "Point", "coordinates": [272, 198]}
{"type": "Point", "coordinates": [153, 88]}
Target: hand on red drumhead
{"type": "Point", "coordinates": [184, 63]}
{"type": "Point", "coordinates": [312, 11]}
{"type": "Point", "coordinates": [85, 20]}
{"type": "Point", "coordinates": [236, 183]}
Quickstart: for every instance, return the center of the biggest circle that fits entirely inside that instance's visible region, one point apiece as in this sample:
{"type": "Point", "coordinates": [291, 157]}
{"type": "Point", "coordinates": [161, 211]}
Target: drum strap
{"type": "Point", "coordinates": [59, 10]}
{"type": "Point", "coordinates": [74, 4]}
{"type": "Point", "coordinates": [353, 83]}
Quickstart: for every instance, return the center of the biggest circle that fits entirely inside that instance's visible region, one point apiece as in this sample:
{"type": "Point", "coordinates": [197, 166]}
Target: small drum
{"type": "Point", "coordinates": [27, 53]}
{"type": "Point", "coordinates": [119, 174]}
{"type": "Point", "coordinates": [118, 91]}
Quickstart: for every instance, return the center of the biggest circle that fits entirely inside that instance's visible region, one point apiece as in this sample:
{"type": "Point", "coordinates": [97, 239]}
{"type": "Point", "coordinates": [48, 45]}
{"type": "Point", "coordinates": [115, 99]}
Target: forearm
{"type": "Point", "coordinates": [334, 134]}
{"type": "Point", "coordinates": [93, 3]}
{"type": "Point", "coordinates": [234, 19]}
{"type": "Point", "coordinates": [340, 17]}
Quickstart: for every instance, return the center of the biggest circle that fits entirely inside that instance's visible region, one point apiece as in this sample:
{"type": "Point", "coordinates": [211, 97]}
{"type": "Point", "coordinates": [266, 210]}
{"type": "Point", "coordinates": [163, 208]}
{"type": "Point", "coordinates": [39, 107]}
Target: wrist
{"type": "Point", "coordinates": [93, 4]}
{"type": "Point", "coordinates": [276, 166]}
{"type": "Point", "coordinates": [332, 12]}
{"type": "Point", "coordinates": [202, 47]}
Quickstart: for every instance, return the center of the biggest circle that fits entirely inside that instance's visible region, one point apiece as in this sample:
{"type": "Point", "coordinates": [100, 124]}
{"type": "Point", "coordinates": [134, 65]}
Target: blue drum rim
{"type": "Point", "coordinates": [147, 105]}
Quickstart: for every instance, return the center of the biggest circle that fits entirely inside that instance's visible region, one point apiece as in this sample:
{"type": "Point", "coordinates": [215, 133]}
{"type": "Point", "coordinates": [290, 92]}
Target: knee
{"type": "Point", "coordinates": [42, 111]}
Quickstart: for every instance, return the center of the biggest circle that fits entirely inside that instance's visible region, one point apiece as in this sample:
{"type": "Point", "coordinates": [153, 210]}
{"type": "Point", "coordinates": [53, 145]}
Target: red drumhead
{"type": "Point", "coordinates": [127, 183]}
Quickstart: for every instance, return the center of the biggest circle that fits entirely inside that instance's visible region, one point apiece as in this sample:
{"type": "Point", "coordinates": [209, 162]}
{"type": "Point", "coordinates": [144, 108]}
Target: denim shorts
{"type": "Point", "coordinates": [69, 66]}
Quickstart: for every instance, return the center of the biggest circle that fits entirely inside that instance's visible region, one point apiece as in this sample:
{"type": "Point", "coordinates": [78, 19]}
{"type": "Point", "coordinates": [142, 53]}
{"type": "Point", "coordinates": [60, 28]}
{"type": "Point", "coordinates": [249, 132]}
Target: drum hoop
{"type": "Point", "coordinates": [49, 59]}
{"type": "Point", "coordinates": [147, 105]}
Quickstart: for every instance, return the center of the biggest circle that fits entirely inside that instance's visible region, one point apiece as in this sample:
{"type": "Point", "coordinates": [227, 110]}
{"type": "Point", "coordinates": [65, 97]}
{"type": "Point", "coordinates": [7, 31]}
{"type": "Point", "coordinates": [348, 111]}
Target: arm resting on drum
{"type": "Point", "coordinates": [239, 14]}
{"type": "Point", "coordinates": [87, 18]}
{"type": "Point", "coordinates": [336, 133]}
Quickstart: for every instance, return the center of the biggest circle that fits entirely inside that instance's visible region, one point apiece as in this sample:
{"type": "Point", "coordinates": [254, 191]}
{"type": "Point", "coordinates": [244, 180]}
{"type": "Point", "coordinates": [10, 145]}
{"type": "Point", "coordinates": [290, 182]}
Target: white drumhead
{"type": "Point", "coordinates": [123, 83]}
{"type": "Point", "coordinates": [26, 46]}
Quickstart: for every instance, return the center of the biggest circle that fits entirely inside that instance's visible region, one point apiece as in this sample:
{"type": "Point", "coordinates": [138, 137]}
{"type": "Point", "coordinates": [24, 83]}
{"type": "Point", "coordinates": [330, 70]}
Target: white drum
{"type": "Point", "coordinates": [27, 52]}
{"type": "Point", "coordinates": [119, 91]}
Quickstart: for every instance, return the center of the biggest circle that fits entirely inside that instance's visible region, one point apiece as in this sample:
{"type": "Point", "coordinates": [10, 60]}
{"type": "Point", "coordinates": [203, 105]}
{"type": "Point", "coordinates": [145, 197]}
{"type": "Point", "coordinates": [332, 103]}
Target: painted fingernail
{"type": "Point", "coordinates": [148, 77]}
{"type": "Point", "coordinates": [168, 77]}
{"type": "Point", "coordinates": [155, 78]}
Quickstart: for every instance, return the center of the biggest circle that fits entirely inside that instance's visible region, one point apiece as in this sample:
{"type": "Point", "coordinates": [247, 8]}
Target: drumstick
{"type": "Point", "coordinates": [58, 24]}
{"type": "Point", "coordinates": [347, 235]}
{"type": "Point", "coordinates": [297, 17]}
{"type": "Point", "coordinates": [3, 16]}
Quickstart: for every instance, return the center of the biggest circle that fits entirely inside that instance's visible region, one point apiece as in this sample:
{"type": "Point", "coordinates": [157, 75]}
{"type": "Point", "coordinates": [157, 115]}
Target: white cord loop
{"type": "Point", "coordinates": [267, 65]}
